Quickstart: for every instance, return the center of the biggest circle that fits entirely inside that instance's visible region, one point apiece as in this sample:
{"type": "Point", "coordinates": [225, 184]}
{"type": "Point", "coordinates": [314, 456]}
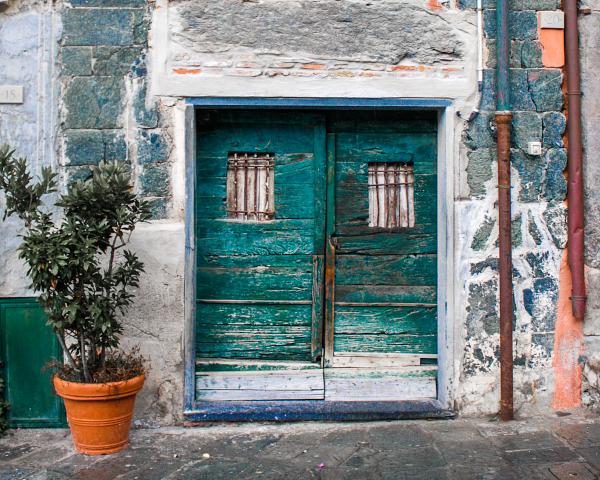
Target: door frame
{"type": "Point", "coordinates": [194, 410]}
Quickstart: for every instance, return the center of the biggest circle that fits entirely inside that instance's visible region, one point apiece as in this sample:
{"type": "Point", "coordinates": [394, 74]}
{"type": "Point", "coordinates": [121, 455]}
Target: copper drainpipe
{"type": "Point", "coordinates": [575, 244]}
{"type": "Point", "coordinates": [503, 121]}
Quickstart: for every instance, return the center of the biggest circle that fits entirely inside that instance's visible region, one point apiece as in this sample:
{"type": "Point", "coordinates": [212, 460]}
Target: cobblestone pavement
{"type": "Point", "coordinates": [565, 447]}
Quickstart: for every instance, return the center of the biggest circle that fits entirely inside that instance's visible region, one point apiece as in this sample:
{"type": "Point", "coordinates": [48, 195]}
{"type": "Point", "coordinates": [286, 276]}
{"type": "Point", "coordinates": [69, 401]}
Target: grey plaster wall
{"type": "Point", "coordinates": [590, 66]}
{"type": "Point", "coordinates": [28, 49]}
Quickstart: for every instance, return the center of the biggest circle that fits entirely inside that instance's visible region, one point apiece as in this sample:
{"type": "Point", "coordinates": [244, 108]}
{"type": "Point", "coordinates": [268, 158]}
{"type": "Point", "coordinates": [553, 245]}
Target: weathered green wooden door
{"type": "Point", "coordinates": [26, 345]}
{"type": "Point", "coordinates": [278, 196]}
{"type": "Point", "coordinates": [382, 255]}
{"type": "Point", "coordinates": [260, 240]}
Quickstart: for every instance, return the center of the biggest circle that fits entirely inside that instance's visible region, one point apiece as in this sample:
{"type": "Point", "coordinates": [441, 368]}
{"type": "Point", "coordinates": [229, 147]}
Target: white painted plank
{"type": "Point", "coordinates": [375, 385]}
{"type": "Point", "coordinates": [376, 354]}
{"type": "Point", "coordinates": [374, 361]}
{"type": "Point", "coordinates": [261, 385]}
{"type": "Point", "coordinates": [264, 365]}
{"type": "Point", "coordinates": [257, 395]}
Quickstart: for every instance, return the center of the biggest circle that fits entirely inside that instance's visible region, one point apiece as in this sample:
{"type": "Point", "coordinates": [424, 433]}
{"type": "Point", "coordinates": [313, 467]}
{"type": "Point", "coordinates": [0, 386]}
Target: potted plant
{"type": "Point", "coordinates": [80, 268]}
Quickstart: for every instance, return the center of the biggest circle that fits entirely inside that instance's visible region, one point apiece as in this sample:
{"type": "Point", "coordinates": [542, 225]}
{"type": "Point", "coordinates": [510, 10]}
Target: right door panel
{"type": "Point", "coordinates": [384, 242]}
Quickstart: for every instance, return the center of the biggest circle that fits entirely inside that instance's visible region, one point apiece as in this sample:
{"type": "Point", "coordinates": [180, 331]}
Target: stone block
{"type": "Point", "coordinates": [76, 61]}
{"type": "Point", "coordinates": [520, 96]}
{"type": "Point", "coordinates": [158, 208]}
{"type": "Point", "coordinates": [479, 132]}
{"type": "Point", "coordinates": [381, 32]}
{"type": "Point", "coordinates": [115, 60]}
{"type": "Point", "coordinates": [531, 55]}
{"type": "Point", "coordinates": [152, 147]}
{"type": "Point", "coordinates": [556, 221]}
{"type": "Point", "coordinates": [108, 3]}
{"type": "Point", "coordinates": [545, 87]}
{"type": "Point", "coordinates": [533, 229]}
{"type": "Point", "coordinates": [479, 170]}
{"type": "Point", "coordinates": [481, 308]}
{"type": "Point", "coordinates": [531, 174]}
{"type": "Point", "coordinates": [90, 147]}
{"type": "Point", "coordinates": [483, 233]}
{"type": "Point", "coordinates": [155, 180]}
{"type": "Point", "coordinates": [556, 183]}
{"type": "Point", "coordinates": [84, 147]}
{"type": "Point", "coordinates": [77, 174]}
{"type": "Point", "coordinates": [554, 128]}
{"type": "Point", "coordinates": [540, 303]}
{"type": "Point", "coordinates": [144, 117]}
{"type": "Point", "coordinates": [522, 24]}
{"type": "Point", "coordinates": [538, 261]}
{"type": "Point", "coordinates": [544, 341]}
{"type": "Point", "coordinates": [516, 231]}
{"type": "Point", "coordinates": [93, 102]}
{"type": "Point", "coordinates": [109, 26]}
{"type": "Point", "coordinates": [488, 91]}
{"type": "Point", "coordinates": [516, 47]}
{"type": "Point", "coordinates": [526, 127]}
{"type": "Point", "coordinates": [115, 146]}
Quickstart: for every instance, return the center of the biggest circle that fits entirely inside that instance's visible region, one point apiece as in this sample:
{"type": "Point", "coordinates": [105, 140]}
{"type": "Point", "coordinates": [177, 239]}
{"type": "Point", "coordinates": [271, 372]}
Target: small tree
{"type": "Point", "coordinates": [78, 262]}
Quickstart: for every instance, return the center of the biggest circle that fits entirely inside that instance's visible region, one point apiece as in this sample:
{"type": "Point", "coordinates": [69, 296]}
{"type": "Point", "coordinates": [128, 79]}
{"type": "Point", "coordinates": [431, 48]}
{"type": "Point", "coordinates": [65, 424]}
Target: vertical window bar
{"type": "Point", "coordinates": [249, 184]}
{"type": "Point", "coordinates": [391, 195]}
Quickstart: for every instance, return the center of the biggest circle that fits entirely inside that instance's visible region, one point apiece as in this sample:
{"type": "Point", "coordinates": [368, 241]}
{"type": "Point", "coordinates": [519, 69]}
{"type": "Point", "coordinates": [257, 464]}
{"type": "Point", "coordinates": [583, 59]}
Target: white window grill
{"type": "Point", "coordinates": [391, 195]}
{"type": "Point", "coordinates": [250, 186]}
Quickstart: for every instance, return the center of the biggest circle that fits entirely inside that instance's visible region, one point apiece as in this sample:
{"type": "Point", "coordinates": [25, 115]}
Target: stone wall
{"type": "Point", "coordinates": [107, 114]}
{"type": "Point", "coordinates": [125, 66]}
{"type": "Point", "coordinates": [538, 220]}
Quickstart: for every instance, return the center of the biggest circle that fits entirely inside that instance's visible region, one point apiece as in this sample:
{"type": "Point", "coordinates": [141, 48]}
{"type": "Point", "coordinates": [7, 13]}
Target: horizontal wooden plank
{"type": "Point", "coordinates": [385, 320]}
{"type": "Point", "coordinates": [386, 343]}
{"type": "Point", "coordinates": [220, 118]}
{"type": "Point", "coordinates": [385, 293]}
{"type": "Point", "coordinates": [418, 270]}
{"type": "Point", "coordinates": [280, 380]}
{"type": "Point", "coordinates": [412, 241]}
{"type": "Point", "coordinates": [374, 361]}
{"type": "Point", "coordinates": [226, 365]}
{"type": "Point", "coordinates": [292, 201]}
{"type": "Point", "coordinates": [268, 277]}
{"type": "Point", "coordinates": [253, 316]}
{"type": "Point", "coordinates": [255, 138]}
{"type": "Point", "coordinates": [258, 395]}
{"type": "Point", "coordinates": [392, 121]}
{"type": "Point", "coordinates": [275, 237]}
{"type": "Point", "coordinates": [344, 384]}
{"type": "Point", "coordinates": [278, 332]}
{"type": "Point", "coordinates": [386, 147]}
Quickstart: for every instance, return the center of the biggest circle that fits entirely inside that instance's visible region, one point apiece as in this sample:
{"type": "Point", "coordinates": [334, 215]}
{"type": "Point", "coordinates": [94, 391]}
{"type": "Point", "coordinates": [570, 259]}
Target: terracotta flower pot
{"type": "Point", "coordinates": [99, 414]}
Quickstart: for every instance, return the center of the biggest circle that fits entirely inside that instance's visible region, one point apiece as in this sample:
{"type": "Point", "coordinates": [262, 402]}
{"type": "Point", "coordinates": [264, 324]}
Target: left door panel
{"type": "Point", "coordinates": [259, 252]}
{"type": "Point", "coordinates": [27, 344]}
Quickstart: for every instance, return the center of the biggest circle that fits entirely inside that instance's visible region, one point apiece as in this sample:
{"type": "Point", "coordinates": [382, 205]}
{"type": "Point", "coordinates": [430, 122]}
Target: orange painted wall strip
{"type": "Point", "coordinates": [552, 41]}
{"type": "Point", "coordinates": [568, 346]}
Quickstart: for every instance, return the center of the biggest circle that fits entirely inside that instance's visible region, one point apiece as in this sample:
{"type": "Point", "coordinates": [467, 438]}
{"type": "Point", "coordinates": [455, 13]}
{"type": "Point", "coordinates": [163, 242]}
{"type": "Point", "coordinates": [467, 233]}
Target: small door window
{"type": "Point", "coordinates": [391, 195]}
{"type": "Point", "coordinates": [250, 186]}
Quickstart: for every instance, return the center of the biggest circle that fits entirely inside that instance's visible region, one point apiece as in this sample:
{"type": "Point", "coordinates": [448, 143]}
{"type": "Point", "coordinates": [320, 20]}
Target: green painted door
{"type": "Point", "coordinates": [259, 275]}
{"type": "Point", "coordinates": [305, 289]}
{"type": "Point", "coordinates": [26, 345]}
{"type": "Point", "coordinates": [382, 255]}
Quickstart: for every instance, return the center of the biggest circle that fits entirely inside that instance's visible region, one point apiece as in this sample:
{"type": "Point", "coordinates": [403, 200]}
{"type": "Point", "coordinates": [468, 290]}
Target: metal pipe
{"type": "Point", "coordinates": [575, 244]}
{"type": "Point", "coordinates": [503, 121]}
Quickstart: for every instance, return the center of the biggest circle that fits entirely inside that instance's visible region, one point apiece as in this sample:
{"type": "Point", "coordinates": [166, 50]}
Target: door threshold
{"type": "Point", "coordinates": [315, 410]}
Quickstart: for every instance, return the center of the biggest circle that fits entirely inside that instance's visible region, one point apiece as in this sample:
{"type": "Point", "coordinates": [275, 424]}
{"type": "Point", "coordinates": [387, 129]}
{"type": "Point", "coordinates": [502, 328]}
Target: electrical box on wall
{"type": "Point", "coordinates": [534, 148]}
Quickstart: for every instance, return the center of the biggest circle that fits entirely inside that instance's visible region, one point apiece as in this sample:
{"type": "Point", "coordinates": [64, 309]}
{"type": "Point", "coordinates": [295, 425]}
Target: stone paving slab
{"type": "Point", "coordinates": [538, 448]}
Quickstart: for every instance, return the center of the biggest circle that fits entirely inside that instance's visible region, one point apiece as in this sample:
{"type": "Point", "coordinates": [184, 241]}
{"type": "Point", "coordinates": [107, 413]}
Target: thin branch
{"type": "Point", "coordinates": [70, 360]}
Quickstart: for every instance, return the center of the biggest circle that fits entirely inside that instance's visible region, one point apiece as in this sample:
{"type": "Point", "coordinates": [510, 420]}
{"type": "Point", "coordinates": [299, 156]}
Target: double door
{"type": "Point", "coordinates": [316, 255]}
